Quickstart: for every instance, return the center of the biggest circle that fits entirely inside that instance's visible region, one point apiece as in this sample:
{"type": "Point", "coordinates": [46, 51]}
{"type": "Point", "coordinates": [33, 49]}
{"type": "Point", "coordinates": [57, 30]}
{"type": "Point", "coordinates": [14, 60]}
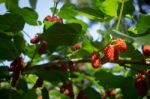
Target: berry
{"type": "Point", "coordinates": [35, 40]}
{"type": "Point", "coordinates": [53, 19]}
{"type": "Point", "coordinates": [120, 45]}
{"type": "Point", "coordinates": [67, 89]}
{"type": "Point", "coordinates": [95, 59]}
{"type": "Point", "coordinates": [109, 53]}
{"type": "Point", "coordinates": [81, 95]}
{"type": "Point", "coordinates": [16, 67]}
{"type": "Point", "coordinates": [39, 83]}
{"type": "Point", "coordinates": [141, 84]}
{"type": "Point", "coordinates": [77, 46]}
{"type": "Point", "coordinates": [110, 93]}
{"type": "Point", "coordinates": [146, 50]}
{"type": "Point", "coordinates": [42, 48]}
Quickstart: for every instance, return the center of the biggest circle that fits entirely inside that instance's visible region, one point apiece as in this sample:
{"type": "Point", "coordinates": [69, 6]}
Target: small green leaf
{"type": "Point", "coordinates": [143, 23]}
{"type": "Point", "coordinates": [2, 1]}
{"type": "Point", "coordinates": [29, 15]}
{"type": "Point", "coordinates": [12, 5]}
{"type": "Point", "coordinates": [110, 7]}
{"type": "Point", "coordinates": [33, 3]}
{"type": "Point", "coordinates": [62, 35]}
{"type": "Point", "coordinates": [67, 11]}
{"type": "Point", "coordinates": [4, 72]}
{"type": "Point", "coordinates": [91, 93]}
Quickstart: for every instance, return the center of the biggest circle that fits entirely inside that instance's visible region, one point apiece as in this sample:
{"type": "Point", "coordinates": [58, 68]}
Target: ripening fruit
{"type": "Point", "coordinates": [35, 40]}
{"type": "Point", "coordinates": [67, 89]}
{"type": "Point", "coordinates": [146, 50]}
{"type": "Point", "coordinates": [109, 53]}
{"type": "Point", "coordinates": [53, 19]}
{"type": "Point", "coordinates": [110, 93]}
{"type": "Point", "coordinates": [95, 60]}
{"type": "Point", "coordinates": [141, 84]}
{"type": "Point", "coordinates": [120, 45]}
{"type": "Point", "coordinates": [16, 67]}
{"type": "Point", "coordinates": [42, 47]}
{"type": "Point", "coordinates": [77, 46]}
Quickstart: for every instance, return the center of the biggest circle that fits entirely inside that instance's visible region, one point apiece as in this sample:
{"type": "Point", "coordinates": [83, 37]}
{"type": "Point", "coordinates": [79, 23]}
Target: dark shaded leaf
{"type": "Point", "coordinates": [4, 72]}
{"type": "Point", "coordinates": [8, 50]}
{"type": "Point", "coordinates": [45, 94]}
{"type": "Point", "coordinates": [9, 94]}
{"type": "Point", "coordinates": [9, 22]}
{"type": "Point", "coordinates": [91, 93]}
{"type": "Point", "coordinates": [62, 34]}
{"type": "Point", "coordinates": [143, 23]}
{"type": "Point", "coordinates": [108, 80]}
{"type": "Point", "coordinates": [22, 85]}
{"type": "Point", "coordinates": [30, 94]}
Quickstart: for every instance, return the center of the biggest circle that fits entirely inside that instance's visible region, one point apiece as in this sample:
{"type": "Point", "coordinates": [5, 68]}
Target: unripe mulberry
{"type": "Point", "coordinates": [95, 60]}
{"type": "Point", "coordinates": [146, 50]}
{"type": "Point", "coordinates": [120, 45]}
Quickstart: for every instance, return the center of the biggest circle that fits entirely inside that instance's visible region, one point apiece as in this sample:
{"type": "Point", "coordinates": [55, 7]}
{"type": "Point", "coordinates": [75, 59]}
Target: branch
{"type": "Point", "coordinates": [59, 63]}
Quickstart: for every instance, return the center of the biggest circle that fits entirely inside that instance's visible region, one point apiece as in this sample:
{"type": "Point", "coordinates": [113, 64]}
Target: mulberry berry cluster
{"type": "Point", "coordinates": [53, 19]}
{"type": "Point", "coordinates": [111, 52]}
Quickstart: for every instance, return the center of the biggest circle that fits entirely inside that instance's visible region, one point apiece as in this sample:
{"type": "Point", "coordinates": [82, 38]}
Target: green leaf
{"type": "Point", "coordinates": [128, 7]}
{"type": "Point", "coordinates": [122, 35]}
{"type": "Point", "coordinates": [4, 72]}
{"type": "Point", "coordinates": [12, 5]}
{"type": "Point", "coordinates": [30, 94]}
{"type": "Point", "coordinates": [91, 93]}
{"type": "Point", "coordinates": [58, 95]}
{"type": "Point", "coordinates": [143, 23]}
{"type": "Point", "coordinates": [143, 39]}
{"type": "Point", "coordinates": [67, 11]}
{"type": "Point", "coordinates": [110, 7]}
{"type": "Point", "coordinates": [9, 22]}
{"type": "Point", "coordinates": [91, 13]}
{"type": "Point", "coordinates": [29, 15]}
{"type": "Point", "coordinates": [7, 50]}
{"type": "Point", "coordinates": [33, 3]}
{"type": "Point", "coordinates": [83, 24]}
{"type": "Point", "coordinates": [51, 76]}
{"type": "Point", "coordinates": [108, 80]}
{"type": "Point", "coordinates": [128, 89]}
{"type": "Point", "coordinates": [62, 34]}
{"type": "Point", "coordinates": [45, 94]}
{"type": "Point", "coordinates": [19, 42]}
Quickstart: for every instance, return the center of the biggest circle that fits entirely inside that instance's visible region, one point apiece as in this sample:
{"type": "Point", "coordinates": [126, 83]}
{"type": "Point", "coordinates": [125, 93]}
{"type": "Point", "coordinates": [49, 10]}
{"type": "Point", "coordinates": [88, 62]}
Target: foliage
{"type": "Point", "coordinates": [113, 67]}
